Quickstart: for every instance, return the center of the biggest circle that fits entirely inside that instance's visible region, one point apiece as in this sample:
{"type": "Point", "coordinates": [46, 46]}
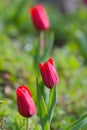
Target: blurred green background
{"type": "Point", "coordinates": [17, 48]}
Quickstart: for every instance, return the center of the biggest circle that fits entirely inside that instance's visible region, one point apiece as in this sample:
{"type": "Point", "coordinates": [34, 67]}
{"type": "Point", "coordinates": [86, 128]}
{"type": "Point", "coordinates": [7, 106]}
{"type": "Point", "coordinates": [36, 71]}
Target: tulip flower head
{"type": "Point", "coordinates": [48, 73]}
{"type": "Point", "coordinates": [25, 103]}
{"type": "Point", "coordinates": [85, 2]}
{"type": "Point", "coordinates": [39, 17]}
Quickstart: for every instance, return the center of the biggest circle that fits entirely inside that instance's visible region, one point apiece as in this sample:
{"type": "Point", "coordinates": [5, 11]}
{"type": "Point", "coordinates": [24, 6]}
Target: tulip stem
{"type": "Point", "coordinates": [41, 42]}
{"type": "Point", "coordinates": [27, 125]}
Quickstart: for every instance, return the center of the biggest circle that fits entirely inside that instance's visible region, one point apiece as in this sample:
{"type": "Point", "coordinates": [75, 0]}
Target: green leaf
{"type": "Point", "coordinates": [81, 37]}
{"type": "Point", "coordinates": [84, 127]}
{"type": "Point", "coordinates": [35, 51]}
{"type": "Point", "coordinates": [45, 92]}
{"type": "Point", "coordinates": [80, 124]}
{"type": "Point", "coordinates": [48, 48]}
{"type": "Point", "coordinates": [52, 102]}
{"type": "Point", "coordinates": [41, 102]}
{"type": "Point", "coordinates": [37, 127]}
{"type": "Point", "coordinates": [42, 109]}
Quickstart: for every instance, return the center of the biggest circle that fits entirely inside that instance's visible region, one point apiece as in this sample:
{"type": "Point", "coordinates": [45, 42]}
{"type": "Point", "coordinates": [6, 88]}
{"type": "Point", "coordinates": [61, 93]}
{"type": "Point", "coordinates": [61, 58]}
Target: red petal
{"type": "Point", "coordinates": [25, 102]}
{"type": "Point", "coordinates": [24, 89]}
{"type": "Point", "coordinates": [51, 61]}
{"type": "Point", "coordinates": [39, 17]}
{"type": "Point", "coordinates": [44, 74]}
{"type": "Point", "coordinates": [51, 73]}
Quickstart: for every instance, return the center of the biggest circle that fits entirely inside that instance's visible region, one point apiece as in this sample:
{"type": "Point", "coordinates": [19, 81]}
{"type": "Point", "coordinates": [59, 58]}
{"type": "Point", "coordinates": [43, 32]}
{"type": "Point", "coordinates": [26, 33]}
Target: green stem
{"type": "Point", "coordinates": [41, 47]}
{"type": "Point", "coordinates": [27, 124]}
{"type": "Point", "coordinates": [46, 126]}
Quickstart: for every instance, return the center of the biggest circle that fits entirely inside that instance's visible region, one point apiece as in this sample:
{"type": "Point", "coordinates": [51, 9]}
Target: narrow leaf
{"type": "Point", "coordinates": [41, 102]}
{"type": "Point", "coordinates": [79, 124]}
{"type": "Point", "coordinates": [42, 110]}
{"type": "Point", "coordinates": [48, 48]}
{"type": "Point", "coordinates": [52, 103]}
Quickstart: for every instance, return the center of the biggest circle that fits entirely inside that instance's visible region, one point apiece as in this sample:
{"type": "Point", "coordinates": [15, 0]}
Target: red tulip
{"type": "Point", "coordinates": [85, 2]}
{"type": "Point", "coordinates": [26, 106]}
{"type": "Point", "coordinates": [39, 17]}
{"type": "Point", "coordinates": [48, 73]}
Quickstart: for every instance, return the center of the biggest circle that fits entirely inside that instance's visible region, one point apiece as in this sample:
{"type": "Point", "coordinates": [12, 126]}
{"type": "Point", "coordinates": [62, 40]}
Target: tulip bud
{"type": "Point", "coordinates": [48, 73]}
{"type": "Point", "coordinates": [39, 17]}
{"type": "Point", "coordinates": [26, 106]}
